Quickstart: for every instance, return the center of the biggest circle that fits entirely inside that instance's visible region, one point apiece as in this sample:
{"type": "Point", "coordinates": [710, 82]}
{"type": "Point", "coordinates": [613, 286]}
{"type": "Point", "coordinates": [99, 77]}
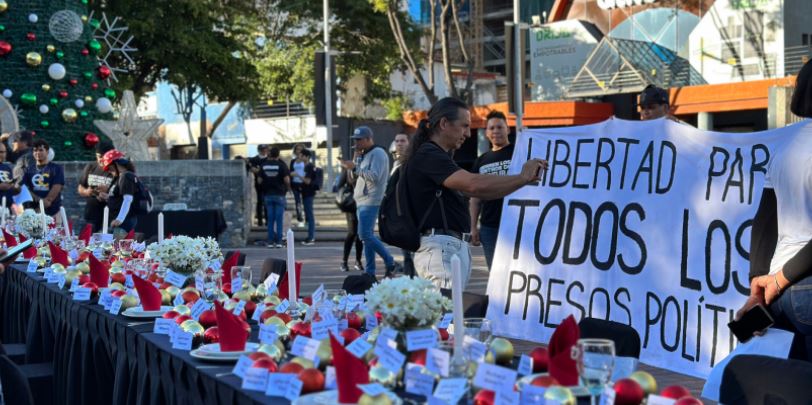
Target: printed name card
{"type": "Point", "coordinates": [373, 389]}
{"type": "Point", "coordinates": [305, 347]}
{"type": "Point", "coordinates": [437, 361]}
{"type": "Point", "coordinates": [494, 378]}
{"type": "Point", "coordinates": [81, 294]}
{"type": "Point", "coordinates": [52, 278]}
{"type": "Point", "coordinates": [421, 339]}
{"type": "Point", "coordinates": [128, 281]}
{"type": "Point", "coordinates": [330, 378]}
{"type": "Point", "coordinates": [359, 347]}
{"type": "Point", "coordinates": [389, 357]}
{"type": "Point", "coordinates": [271, 281]}
{"type": "Point", "coordinates": [283, 306]}
{"type": "Point", "coordinates": [506, 398]}
{"type": "Point", "coordinates": [74, 285]}
{"type": "Point", "coordinates": [387, 334]}
{"type": "Point", "coordinates": [450, 390]}
{"type": "Point", "coordinates": [267, 334]}
{"type": "Point", "coordinates": [354, 301]}
{"type": "Point", "coordinates": [175, 279]}
{"type": "Point", "coordinates": [183, 340]}
{"type": "Point", "coordinates": [104, 297]}
{"type": "Point", "coordinates": [278, 384]}
{"type": "Point", "coordinates": [73, 254]}
{"type": "Point", "coordinates": [255, 379]}
{"type": "Point", "coordinates": [474, 349]}
{"type": "Point", "coordinates": [320, 330]}
{"type": "Point", "coordinates": [533, 395]}
{"type": "Point", "coordinates": [163, 326]}
{"type": "Point", "coordinates": [608, 396]}
{"type": "Point", "coordinates": [257, 315]}
{"type": "Point", "coordinates": [417, 381]}
{"type": "Point", "coordinates": [294, 389]}
{"type": "Point", "coordinates": [62, 281]}
{"type": "Point", "coordinates": [243, 364]}
{"type": "Point", "coordinates": [178, 299]}
{"type": "Point", "coordinates": [115, 306]}
{"type": "Point", "coordinates": [525, 365]}
{"type": "Point", "coordinates": [199, 307]}
{"type": "Point", "coordinates": [200, 284]}
{"type": "Point", "coordinates": [447, 318]}
{"type": "Point", "coordinates": [659, 400]}
{"type": "Point", "coordinates": [32, 266]}
{"type": "Point", "coordinates": [319, 294]}
{"type": "Point", "coordinates": [236, 284]}
{"type": "Point", "coordinates": [238, 308]}
{"type": "Point", "coordinates": [371, 321]}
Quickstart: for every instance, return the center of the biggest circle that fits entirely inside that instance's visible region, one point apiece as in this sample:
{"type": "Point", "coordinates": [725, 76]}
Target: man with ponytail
{"type": "Point", "coordinates": [432, 174]}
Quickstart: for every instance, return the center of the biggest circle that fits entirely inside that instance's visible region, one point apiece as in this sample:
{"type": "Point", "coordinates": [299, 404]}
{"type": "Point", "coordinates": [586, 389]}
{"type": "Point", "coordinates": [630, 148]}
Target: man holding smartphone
{"type": "Point", "coordinates": [93, 184]}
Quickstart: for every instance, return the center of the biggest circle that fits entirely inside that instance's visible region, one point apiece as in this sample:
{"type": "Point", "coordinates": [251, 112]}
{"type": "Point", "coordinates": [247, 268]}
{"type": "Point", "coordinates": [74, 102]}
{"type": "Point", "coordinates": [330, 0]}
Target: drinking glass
{"type": "Point", "coordinates": [125, 247]}
{"type": "Point", "coordinates": [212, 284]}
{"type": "Point", "coordinates": [244, 274]}
{"type": "Point", "coordinates": [595, 359]}
{"type": "Point", "coordinates": [479, 329]}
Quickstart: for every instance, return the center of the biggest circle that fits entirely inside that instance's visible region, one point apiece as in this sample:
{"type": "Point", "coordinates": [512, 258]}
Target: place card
{"type": "Point", "coordinates": [278, 384]}
{"type": "Point", "coordinates": [200, 284]}
{"type": "Point", "coordinates": [178, 299]}
{"type": "Point", "coordinates": [343, 324]}
{"type": "Point", "coordinates": [321, 330]}
{"type": "Point", "coordinates": [533, 395]}
{"type": "Point", "coordinates": [176, 279]}
{"type": "Point", "coordinates": [62, 281]}
{"type": "Point", "coordinates": [359, 347]}
{"type": "Point", "coordinates": [32, 266]}
{"type": "Point", "coordinates": [236, 284]}
{"type": "Point", "coordinates": [447, 318]}
{"type": "Point", "coordinates": [198, 308]}
{"type": "Point", "coordinates": [421, 339]}
{"type": "Point", "coordinates": [373, 389]}
{"type": "Point", "coordinates": [418, 382]}
{"type": "Point", "coordinates": [282, 306]}
{"type": "Point", "coordinates": [47, 271]}
{"type": "Point", "coordinates": [257, 315]}
{"type": "Point", "coordinates": [271, 281]}
{"type": "Point", "coordinates": [115, 306]}
{"type": "Point", "coordinates": [437, 361]}
{"type": "Point", "coordinates": [73, 254]}
{"type": "Point", "coordinates": [255, 379]}
{"type": "Point", "coordinates": [608, 396]}
{"type": "Point", "coordinates": [243, 364]}
{"type": "Point", "coordinates": [52, 278]}
{"type": "Point", "coordinates": [371, 321]}
{"type": "Point", "coordinates": [474, 349]}
{"type": "Point", "coordinates": [183, 340]}
{"type": "Point", "coordinates": [330, 378]}
{"type": "Point", "coordinates": [319, 294]}
{"type": "Point", "coordinates": [354, 301]}
{"type": "Point", "coordinates": [81, 294]}
{"type": "Point", "coordinates": [74, 285]}
{"type": "Point", "coordinates": [432, 400]}
{"type": "Point", "coordinates": [105, 299]}
{"type": "Point", "coordinates": [525, 365]}
{"type": "Point", "coordinates": [267, 334]}
{"type": "Point", "coordinates": [624, 367]}
{"type": "Point", "coordinates": [162, 326]}
{"type": "Point", "coordinates": [387, 334]}
{"type": "Point", "coordinates": [450, 390]}
{"type": "Point", "coordinates": [389, 357]}
{"type": "Point", "coordinates": [98, 252]}
{"type": "Point", "coordinates": [305, 347]}
{"type": "Point", "coordinates": [128, 281]}
{"type": "Point", "coordinates": [215, 264]}
{"type": "Point", "coordinates": [294, 389]}
{"type": "Point", "coordinates": [652, 399]}
{"type": "Point", "coordinates": [494, 378]}
{"type": "Point", "coordinates": [509, 397]}
{"type": "Point", "coordinates": [238, 308]}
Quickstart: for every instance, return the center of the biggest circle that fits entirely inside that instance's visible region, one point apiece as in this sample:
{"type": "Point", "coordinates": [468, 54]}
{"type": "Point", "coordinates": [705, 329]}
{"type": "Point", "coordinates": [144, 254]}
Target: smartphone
{"type": "Point", "coordinates": [754, 320]}
{"type": "Point", "coordinates": [12, 253]}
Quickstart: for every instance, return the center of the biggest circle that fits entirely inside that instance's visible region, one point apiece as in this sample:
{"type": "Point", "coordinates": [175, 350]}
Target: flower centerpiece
{"type": "Point", "coordinates": [211, 249]}
{"type": "Point", "coordinates": [29, 223]}
{"type": "Point", "coordinates": [407, 303]}
{"type": "Point", "coordinates": [182, 254]}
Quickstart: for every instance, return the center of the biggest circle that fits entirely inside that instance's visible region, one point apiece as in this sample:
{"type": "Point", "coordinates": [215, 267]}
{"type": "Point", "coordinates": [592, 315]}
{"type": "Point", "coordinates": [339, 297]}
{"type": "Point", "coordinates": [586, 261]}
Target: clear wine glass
{"type": "Point", "coordinates": [479, 329]}
{"type": "Point", "coordinates": [595, 359]}
{"type": "Point", "coordinates": [244, 274]}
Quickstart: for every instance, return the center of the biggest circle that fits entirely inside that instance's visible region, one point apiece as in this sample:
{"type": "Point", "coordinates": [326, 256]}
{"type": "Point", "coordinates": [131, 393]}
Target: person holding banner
{"type": "Point", "coordinates": [485, 229]}
{"type": "Point", "coordinates": [445, 232]}
{"type": "Point", "coordinates": [781, 243]}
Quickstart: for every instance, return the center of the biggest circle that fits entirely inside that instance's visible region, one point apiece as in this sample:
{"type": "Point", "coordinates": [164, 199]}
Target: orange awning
{"type": "Point", "coordinates": [739, 96]}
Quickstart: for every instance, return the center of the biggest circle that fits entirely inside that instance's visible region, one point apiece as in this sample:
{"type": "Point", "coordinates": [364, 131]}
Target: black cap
{"type": "Point", "coordinates": [262, 146]}
{"type": "Point", "coordinates": [653, 95]}
{"type": "Point", "coordinates": [103, 147]}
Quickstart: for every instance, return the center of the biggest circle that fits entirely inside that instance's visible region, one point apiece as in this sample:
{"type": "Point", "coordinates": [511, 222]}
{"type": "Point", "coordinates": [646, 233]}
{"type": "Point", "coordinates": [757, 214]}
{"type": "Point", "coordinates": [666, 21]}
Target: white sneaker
{"type": "Point", "coordinates": [310, 242]}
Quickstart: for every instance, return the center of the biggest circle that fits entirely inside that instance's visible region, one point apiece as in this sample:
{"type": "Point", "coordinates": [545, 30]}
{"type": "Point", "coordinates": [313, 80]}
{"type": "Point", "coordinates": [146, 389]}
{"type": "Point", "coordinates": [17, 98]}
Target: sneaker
{"type": "Point", "coordinates": [395, 269]}
{"type": "Point", "coordinates": [271, 245]}
{"type": "Point", "coordinates": [279, 245]}
{"type": "Point", "coordinates": [344, 267]}
{"type": "Point", "coordinates": [358, 266]}
{"type": "Point", "coordinates": [301, 224]}
{"type": "Point", "coordinates": [310, 242]}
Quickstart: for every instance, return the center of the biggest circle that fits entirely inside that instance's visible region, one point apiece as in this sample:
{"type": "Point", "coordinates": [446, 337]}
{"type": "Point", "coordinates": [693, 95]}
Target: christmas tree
{"type": "Point", "coordinates": [51, 72]}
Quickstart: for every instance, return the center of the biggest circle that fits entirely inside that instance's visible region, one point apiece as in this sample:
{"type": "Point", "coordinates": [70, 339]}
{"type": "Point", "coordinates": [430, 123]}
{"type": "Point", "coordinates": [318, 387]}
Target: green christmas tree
{"type": "Point", "coordinates": [51, 72]}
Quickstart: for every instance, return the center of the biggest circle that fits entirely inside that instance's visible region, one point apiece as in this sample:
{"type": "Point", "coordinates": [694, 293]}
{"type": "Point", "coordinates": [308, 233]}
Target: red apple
{"type": "Point", "coordinates": [208, 318]}
{"type": "Point", "coordinates": [443, 334]}
{"type": "Point", "coordinates": [300, 328]}
{"type": "Point", "coordinates": [258, 355]}
{"type": "Point", "coordinates": [675, 392]}
{"type": "Point", "coordinates": [312, 380]}
{"type": "Point", "coordinates": [418, 357]}
{"type": "Point", "coordinates": [541, 357]}
{"type": "Point", "coordinates": [291, 368]}
{"type": "Point", "coordinates": [484, 397]}
{"type": "Point", "coordinates": [354, 321]}
{"type": "Point", "coordinates": [544, 381]}
{"type": "Point", "coordinates": [94, 289]}
{"type": "Point", "coordinates": [118, 278]}
{"type": "Point", "coordinates": [628, 392]}
{"type": "Point", "coordinates": [350, 335]}
{"type": "Point", "coordinates": [118, 293]}
{"type": "Point", "coordinates": [266, 363]}
{"type": "Point", "coordinates": [688, 401]}
{"type": "Point", "coordinates": [211, 335]}
{"type": "Point", "coordinates": [170, 314]}
{"type": "Point", "coordinates": [190, 295]}
{"type": "Point", "coordinates": [182, 318]}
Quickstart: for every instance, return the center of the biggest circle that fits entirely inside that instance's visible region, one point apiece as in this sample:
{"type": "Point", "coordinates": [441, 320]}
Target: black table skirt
{"type": "Point", "coordinates": [190, 223]}
{"type": "Point", "coordinates": [103, 359]}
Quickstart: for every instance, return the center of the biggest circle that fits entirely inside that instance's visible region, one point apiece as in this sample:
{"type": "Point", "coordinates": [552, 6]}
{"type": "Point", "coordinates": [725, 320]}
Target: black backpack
{"type": "Point", "coordinates": [396, 221]}
{"type": "Point", "coordinates": [142, 200]}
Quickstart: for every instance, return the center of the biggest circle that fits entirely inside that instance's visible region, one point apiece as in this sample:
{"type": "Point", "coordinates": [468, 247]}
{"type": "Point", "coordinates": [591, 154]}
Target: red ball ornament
{"type": "Point", "coordinates": [94, 86]}
{"type": "Point", "coordinates": [312, 380]}
{"type": "Point", "coordinates": [31, 36]}
{"type": "Point", "coordinates": [62, 94]}
{"type": "Point", "coordinates": [541, 357]}
{"type": "Point", "coordinates": [675, 392]}
{"type": "Point", "coordinates": [212, 335]}
{"type": "Point", "coordinates": [484, 397]}
{"type": "Point", "coordinates": [85, 52]}
{"type": "Point", "coordinates": [688, 401]}
{"type": "Point", "coordinates": [73, 82]}
{"type": "Point", "coordinates": [103, 72]}
{"type": "Point", "coordinates": [628, 392]}
{"type": "Point", "coordinates": [5, 48]}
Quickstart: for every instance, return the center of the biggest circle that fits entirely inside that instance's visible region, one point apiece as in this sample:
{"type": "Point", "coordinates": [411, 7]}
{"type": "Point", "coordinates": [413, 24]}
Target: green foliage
{"type": "Point", "coordinates": [395, 106]}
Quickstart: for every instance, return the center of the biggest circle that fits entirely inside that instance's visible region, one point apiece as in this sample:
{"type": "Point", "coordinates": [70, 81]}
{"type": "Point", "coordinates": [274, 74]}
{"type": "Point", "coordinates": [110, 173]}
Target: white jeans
{"type": "Point", "coordinates": [433, 260]}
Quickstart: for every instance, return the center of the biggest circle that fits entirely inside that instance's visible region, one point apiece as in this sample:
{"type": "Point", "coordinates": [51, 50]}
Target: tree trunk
{"type": "Point", "coordinates": [221, 117]}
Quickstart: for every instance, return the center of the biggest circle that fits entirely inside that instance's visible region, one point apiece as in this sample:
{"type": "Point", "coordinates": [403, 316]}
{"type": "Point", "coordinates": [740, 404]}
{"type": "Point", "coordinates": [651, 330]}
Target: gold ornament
{"type": "Point", "coordinates": [69, 115]}
{"type": "Point", "coordinates": [380, 399]}
{"type": "Point", "coordinates": [46, 87]}
{"type": "Point", "coordinates": [272, 299]}
{"type": "Point", "coordinates": [116, 286]}
{"type": "Point", "coordinates": [166, 299]}
{"type": "Point", "coordinates": [325, 354]}
{"type": "Point", "coordinates": [242, 295]}
{"type": "Point", "coordinates": [128, 301]}
{"type": "Point", "coordinates": [646, 381]}
{"type": "Point", "coordinates": [33, 59]}
{"type": "Point", "coordinates": [88, 99]}
{"type": "Point", "coordinates": [50, 48]}
{"type": "Point", "coordinates": [272, 350]}
{"type": "Point", "coordinates": [70, 277]}
{"type": "Point", "coordinates": [84, 18]}
{"type": "Point", "coordinates": [260, 292]}
{"type": "Point", "coordinates": [382, 375]}
{"type": "Point", "coordinates": [193, 327]}
{"type": "Point", "coordinates": [182, 310]}
{"type": "Point", "coordinates": [275, 320]}
{"type": "Point", "coordinates": [3, 6]}
{"type": "Point", "coordinates": [173, 291]}
{"type": "Point", "coordinates": [502, 351]}
{"type": "Point", "coordinates": [58, 268]}
{"type": "Point", "coordinates": [561, 395]}
{"type": "Point", "coordinates": [306, 363]}
{"type": "Point", "coordinates": [83, 267]}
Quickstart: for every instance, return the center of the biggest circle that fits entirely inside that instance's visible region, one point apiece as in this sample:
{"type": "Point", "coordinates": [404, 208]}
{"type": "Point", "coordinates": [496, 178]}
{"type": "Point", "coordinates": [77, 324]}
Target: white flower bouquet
{"type": "Point", "coordinates": [211, 249]}
{"type": "Point", "coordinates": [407, 303]}
{"type": "Point", "coordinates": [29, 223]}
{"type": "Point", "coordinates": [182, 254]}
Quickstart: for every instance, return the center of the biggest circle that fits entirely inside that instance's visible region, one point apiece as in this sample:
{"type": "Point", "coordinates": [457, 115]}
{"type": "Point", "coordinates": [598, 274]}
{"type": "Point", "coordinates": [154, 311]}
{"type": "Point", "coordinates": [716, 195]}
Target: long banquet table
{"type": "Point", "coordinates": [99, 358]}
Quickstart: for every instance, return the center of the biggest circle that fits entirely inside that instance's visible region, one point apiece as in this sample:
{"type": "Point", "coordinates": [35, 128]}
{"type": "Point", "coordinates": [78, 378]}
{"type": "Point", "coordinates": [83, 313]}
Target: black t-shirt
{"type": "Point", "coordinates": [495, 163]}
{"type": "Point", "coordinates": [94, 176]}
{"type": "Point", "coordinates": [256, 161]}
{"type": "Point", "coordinates": [426, 171]}
{"type": "Point", "coordinates": [273, 173]}
{"type": "Point", "coordinates": [7, 177]}
{"type": "Point", "coordinates": [309, 190]}
{"type": "Point", "coordinates": [123, 185]}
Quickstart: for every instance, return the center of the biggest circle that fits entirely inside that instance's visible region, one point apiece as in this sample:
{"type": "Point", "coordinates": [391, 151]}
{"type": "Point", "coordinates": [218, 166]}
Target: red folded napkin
{"type": "Point", "coordinates": [130, 234]}
{"type": "Point", "coordinates": [10, 241]}
{"type": "Point", "coordinates": [228, 264]}
{"type": "Point", "coordinates": [353, 372]}
{"type": "Point", "coordinates": [85, 234]}
{"type": "Point", "coordinates": [99, 272]}
{"type": "Point", "coordinates": [233, 332]}
{"type": "Point", "coordinates": [149, 295]}
{"type": "Point", "coordinates": [283, 282]}
{"type": "Point", "coordinates": [562, 366]}
{"type": "Point", "coordinates": [70, 226]}
{"type": "Point", "coordinates": [58, 255]}
{"type": "Point", "coordinates": [29, 253]}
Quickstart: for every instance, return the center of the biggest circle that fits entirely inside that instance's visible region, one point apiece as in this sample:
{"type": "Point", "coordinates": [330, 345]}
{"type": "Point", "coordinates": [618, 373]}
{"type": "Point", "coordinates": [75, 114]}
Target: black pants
{"type": "Point", "coordinates": [260, 214]}
{"type": "Point", "coordinates": [352, 237]}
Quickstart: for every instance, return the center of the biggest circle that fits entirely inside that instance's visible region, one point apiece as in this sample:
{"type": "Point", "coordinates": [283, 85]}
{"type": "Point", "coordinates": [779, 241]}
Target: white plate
{"type": "Point", "coordinates": [137, 312]}
{"type": "Point", "coordinates": [331, 397]}
{"type": "Point", "coordinates": [578, 391]}
{"type": "Point", "coordinates": [211, 352]}
{"type": "Point", "coordinates": [21, 259]}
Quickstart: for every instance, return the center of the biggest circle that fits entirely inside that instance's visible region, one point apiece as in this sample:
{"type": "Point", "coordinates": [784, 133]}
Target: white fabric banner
{"type": "Point", "coordinates": [643, 223]}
